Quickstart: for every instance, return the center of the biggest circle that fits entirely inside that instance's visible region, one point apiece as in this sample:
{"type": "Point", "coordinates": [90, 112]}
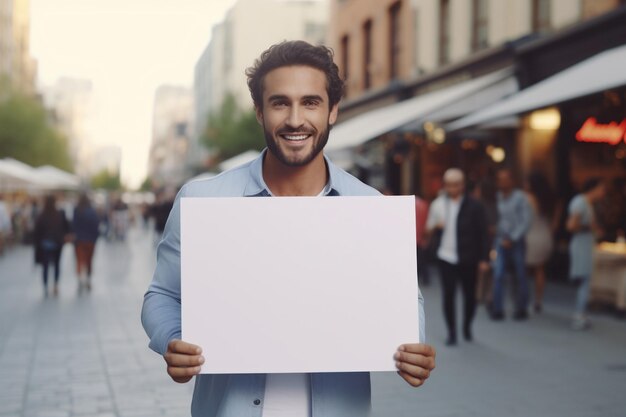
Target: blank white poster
{"type": "Point", "coordinates": [299, 284]}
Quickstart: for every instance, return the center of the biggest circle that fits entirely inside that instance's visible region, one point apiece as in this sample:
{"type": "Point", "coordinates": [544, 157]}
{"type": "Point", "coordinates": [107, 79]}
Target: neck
{"type": "Point", "coordinates": [283, 180]}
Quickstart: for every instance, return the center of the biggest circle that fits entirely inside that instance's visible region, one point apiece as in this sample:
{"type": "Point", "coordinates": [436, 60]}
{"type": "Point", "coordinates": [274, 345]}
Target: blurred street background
{"type": "Point", "coordinates": [86, 354]}
{"type": "Point", "coordinates": [108, 107]}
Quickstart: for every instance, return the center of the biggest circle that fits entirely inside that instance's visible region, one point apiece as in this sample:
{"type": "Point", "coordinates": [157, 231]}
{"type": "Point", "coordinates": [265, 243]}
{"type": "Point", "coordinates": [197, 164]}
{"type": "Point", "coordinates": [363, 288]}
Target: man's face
{"type": "Point", "coordinates": [505, 182]}
{"type": "Point", "coordinates": [296, 117]}
{"type": "Point", "coordinates": [453, 188]}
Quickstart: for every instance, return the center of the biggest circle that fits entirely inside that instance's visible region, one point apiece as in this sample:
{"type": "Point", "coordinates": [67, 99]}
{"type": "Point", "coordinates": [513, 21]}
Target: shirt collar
{"type": "Point", "coordinates": [256, 186]}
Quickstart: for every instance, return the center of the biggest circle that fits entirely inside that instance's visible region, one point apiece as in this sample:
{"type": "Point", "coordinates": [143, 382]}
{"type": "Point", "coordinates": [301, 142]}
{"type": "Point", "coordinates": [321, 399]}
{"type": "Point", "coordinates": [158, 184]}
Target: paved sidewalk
{"type": "Point", "coordinates": [82, 354]}
{"type": "Point", "coordinates": [87, 355]}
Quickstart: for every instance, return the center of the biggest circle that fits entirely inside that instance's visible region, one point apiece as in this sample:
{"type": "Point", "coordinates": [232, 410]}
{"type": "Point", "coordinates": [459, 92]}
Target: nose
{"type": "Point", "coordinates": [295, 118]}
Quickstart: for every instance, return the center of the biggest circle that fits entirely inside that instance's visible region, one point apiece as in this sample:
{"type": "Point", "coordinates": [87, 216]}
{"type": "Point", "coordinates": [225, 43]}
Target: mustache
{"type": "Point", "coordinates": [287, 130]}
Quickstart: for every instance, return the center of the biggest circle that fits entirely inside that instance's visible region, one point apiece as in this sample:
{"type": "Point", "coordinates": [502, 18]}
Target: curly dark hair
{"type": "Point", "coordinates": [288, 53]}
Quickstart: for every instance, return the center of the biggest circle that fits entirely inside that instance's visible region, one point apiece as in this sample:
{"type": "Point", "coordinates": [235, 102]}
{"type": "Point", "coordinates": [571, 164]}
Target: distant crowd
{"type": "Point", "coordinates": [50, 222]}
{"type": "Point", "coordinates": [478, 234]}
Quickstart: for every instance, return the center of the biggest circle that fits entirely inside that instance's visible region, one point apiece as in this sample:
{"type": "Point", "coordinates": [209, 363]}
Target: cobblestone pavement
{"type": "Point", "coordinates": [85, 354]}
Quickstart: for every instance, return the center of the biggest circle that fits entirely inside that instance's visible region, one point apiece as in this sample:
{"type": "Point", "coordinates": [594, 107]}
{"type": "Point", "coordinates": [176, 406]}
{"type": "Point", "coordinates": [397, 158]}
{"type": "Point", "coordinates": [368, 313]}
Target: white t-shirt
{"type": "Point", "coordinates": [446, 211]}
{"type": "Point", "coordinates": [287, 395]}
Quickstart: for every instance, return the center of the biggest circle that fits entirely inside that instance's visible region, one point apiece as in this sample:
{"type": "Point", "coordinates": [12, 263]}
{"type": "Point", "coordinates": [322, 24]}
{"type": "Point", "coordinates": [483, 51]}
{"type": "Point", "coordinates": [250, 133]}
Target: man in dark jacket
{"type": "Point", "coordinates": [458, 222]}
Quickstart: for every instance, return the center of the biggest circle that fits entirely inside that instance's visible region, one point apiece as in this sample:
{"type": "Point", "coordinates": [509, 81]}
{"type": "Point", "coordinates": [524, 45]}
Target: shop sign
{"type": "Point", "coordinates": [612, 133]}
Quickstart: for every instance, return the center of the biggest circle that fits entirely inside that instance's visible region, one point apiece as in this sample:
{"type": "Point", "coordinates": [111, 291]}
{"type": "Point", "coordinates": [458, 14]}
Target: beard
{"type": "Point", "coordinates": [319, 143]}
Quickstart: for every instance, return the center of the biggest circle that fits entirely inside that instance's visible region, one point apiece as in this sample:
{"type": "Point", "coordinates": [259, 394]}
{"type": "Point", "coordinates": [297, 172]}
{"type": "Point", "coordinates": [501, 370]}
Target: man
{"type": "Point", "coordinates": [296, 90]}
{"type": "Point", "coordinates": [463, 248]}
{"type": "Point", "coordinates": [5, 224]}
{"type": "Point", "coordinates": [514, 218]}
{"type": "Point", "coordinates": [421, 213]}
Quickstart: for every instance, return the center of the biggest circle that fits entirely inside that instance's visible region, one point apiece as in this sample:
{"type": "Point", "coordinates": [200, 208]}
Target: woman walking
{"type": "Point", "coordinates": [85, 226]}
{"type": "Point", "coordinates": [51, 229]}
{"type": "Point", "coordinates": [539, 240]}
{"type": "Point", "coordinates": [581, 222]}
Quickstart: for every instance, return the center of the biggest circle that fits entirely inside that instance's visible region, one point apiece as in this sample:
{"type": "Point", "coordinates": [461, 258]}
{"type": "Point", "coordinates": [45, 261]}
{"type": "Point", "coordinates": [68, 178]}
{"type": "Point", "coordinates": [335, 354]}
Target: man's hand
{"type": "Point", "coordinates": [483, 267]}
{"type": "Point", "coordinates": [415, 361]}
{"type": "Point", "coordinates": [183, 360]}
{"type": "Point", "coordinates": [507, 243]}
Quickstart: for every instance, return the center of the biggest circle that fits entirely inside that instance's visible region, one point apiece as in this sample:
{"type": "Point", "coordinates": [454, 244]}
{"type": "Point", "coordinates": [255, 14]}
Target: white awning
{"type": "Point", "coordinates": [58, 179]}
{"type": "Point", "coordinates": [237, 160]}
{"type": "Point", "coordinates": [369, 125]}
{"type": "Point", "coordinates": [16, 175]}
{"type": "Point", "coordinates": [601, 72]}
{"type": "Point", "coordinates": [473, 102]}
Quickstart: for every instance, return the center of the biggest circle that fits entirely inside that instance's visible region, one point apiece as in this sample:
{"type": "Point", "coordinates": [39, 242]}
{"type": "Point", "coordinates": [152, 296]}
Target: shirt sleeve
{"type": "Point", "coordinates": [422, 317]}
{"type": "Point", "coordinates": [160, 315]}
{"type": "Point", "coordinates": [525, 218]}
{"type": "Point", "coordinates": [433, 215]}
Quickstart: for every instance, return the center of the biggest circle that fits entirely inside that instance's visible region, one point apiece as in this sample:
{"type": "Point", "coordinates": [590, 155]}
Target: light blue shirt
{"type": "Point", "coordinates": [332, 394]}
{"type": "Point", "coordinates": [514, 216]}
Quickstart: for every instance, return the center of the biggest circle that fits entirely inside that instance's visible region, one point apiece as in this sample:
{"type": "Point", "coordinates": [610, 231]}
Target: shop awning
{"type": "Point", "coordinates": [601, 72]}
{"type": "Point", "coordinates": [369, 125]}
{"type": "Point", "coordinates": [15, 175]}
{"type": "Point", "coordinates": [55, 178]}
{"type": "Point", "coordinates": [469, 104]}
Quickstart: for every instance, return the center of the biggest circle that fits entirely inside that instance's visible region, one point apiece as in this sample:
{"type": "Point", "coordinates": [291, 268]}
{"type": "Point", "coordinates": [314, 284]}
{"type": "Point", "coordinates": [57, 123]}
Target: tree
{"type": "Point", "coordinates": [26, 133]}
{"type": "Point", "coordinates": [231, 131]}
{"type": "Point", "coordinates": [146, 185]}
{"type": "Point", "coordinates": [106, 181]}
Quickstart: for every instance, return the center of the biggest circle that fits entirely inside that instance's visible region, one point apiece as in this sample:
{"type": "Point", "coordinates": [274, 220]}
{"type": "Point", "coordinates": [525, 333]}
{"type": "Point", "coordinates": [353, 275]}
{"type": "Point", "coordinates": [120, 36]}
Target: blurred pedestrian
{"type": "Point", "coordinates": [421, 213]}
{"type": "Point", "coordinates": [51, 230]}
{"type": "Point", "coordinates": [485, 193]}
{"type": "Point", "coordinates": [120, 219]}
{"type": "Point", "coordinates": [86, 228]}
{"type": "Point", "coordinates": [5, 224]}
{"type": "Point", "coordinates": [539, 239]}
{"type": "Point", "coordinates": [463, 248]}
{"type": "Point", "coordinates": [581, 222]}
{"type": "Point", "coordinates": [514, 218]}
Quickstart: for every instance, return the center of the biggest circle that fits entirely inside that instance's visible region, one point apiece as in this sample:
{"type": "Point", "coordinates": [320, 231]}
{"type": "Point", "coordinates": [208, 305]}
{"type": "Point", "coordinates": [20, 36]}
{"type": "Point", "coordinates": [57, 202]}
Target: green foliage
{"type": "Point", "coordinates": [106, 181]}
{"type": "Point", "coordinates": [146, 185]}
{"type": "Point", "coordinates": [231, 131]}
{"type": "Point", "coordinates": [26, 134]}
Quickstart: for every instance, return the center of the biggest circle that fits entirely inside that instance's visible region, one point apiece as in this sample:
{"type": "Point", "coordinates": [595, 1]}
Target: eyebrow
{"type": "Point", "coordinates": [276, 97]}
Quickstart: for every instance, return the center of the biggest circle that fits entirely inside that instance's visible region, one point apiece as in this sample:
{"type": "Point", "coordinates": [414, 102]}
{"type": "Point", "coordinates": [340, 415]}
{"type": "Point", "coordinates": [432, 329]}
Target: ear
{"type": "Point", "coordinates": [332, 117]}
{"type": "Point", "coordinates": [259, 115]}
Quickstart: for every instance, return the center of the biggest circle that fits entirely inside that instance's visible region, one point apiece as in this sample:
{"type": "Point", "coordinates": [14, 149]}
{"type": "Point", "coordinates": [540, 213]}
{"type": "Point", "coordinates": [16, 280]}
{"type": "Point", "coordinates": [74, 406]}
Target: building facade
{"type": "Point", "coordinates": [16, 64]}
{"type": "Point", "coordinates": [440, 44]}
{"type": "Point", "coordinates": [171, 131]}
{"type": "Point", "coordinates": [70, 102]}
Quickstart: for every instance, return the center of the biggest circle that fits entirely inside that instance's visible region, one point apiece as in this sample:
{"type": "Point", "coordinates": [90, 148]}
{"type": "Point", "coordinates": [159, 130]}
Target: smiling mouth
{"type": "Point", "coordinates": [295, 137]}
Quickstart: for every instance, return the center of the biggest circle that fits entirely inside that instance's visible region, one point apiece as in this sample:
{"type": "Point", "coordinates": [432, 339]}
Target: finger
{"type": "Point", "coordinates": [176, 359]}
{"type": "Point", "coordinates": [182, 380]}
{"type": "Point", "coordinates": [412, 370]}
{"type": "Point", "coordinates": [178, 346]}
{"type": "Point", "coordinates": [182, 373]}
{"type": "Point", "coordinates": [414, 382]}
{"type": "Point", "coordinates": [416, 359]}
{"type": "Point", "coordinates": [421, 348]}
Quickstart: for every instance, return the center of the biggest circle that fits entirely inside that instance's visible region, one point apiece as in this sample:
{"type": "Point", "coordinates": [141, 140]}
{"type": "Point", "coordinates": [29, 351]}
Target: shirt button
{"type": "Point", "coordinates": [257, 402]}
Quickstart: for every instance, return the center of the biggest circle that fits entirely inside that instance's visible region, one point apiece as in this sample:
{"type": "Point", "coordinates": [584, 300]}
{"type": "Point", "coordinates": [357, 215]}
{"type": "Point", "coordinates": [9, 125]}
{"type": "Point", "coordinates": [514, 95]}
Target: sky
{"type": "Point", "coordinates": [127, 48]}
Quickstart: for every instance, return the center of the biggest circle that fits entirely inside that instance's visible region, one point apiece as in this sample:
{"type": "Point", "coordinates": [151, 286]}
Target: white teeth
{"type": "Point", "coordinates": [295, 137]}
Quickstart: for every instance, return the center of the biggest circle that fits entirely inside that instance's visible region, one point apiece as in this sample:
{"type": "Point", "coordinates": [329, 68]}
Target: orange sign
{"type": "Point", "coordinates": [594, 132]}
